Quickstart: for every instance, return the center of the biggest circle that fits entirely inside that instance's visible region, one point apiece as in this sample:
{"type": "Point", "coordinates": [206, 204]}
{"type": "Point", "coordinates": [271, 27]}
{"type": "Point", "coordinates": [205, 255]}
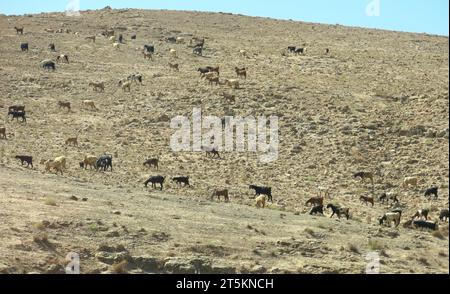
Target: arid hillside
{"type": "Point", "coordinates": [377, 102]}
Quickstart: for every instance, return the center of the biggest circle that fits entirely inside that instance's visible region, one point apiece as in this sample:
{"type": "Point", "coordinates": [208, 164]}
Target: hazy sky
{"type": "Point", "coordinates": [423, 16]}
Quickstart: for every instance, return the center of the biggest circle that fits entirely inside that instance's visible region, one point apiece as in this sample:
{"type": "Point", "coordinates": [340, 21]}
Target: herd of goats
{"type": "Point", "coordinates": [262, 194]}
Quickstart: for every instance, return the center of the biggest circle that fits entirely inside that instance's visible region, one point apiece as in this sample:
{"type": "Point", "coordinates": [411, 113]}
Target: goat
{"type": "Point", "coordinates": [89, 160]}
{"type": "Point", "coordinates": [260, 201]}
{"type": "Point", "coordinates": [299, 51]}
{"type": "Point", "coordinates": [410, 181]}
{"type": "Point", "coordinates": [363, 176]}
{"type": "Point", "coordinates": [421, 224]}
{"type": "Point", "coordinates": [367, 200]}
{"type": "Point", "coordinates": [291, 48]}
{"type": "Point", "coordinates": [116, 46]}
{"type": "Point", "coordinates": [213, 80]}
{"type": "Point", "coordinates": [19, 30]}
{"type": "Point", "coordinates": [147, 55]}
{"type": "Point", "coordinates": [56, 165]}
{"type": "Point", "coordinates": [390, 217]}
{"type": "Point", "coordinates": [315, 201]}
{"type": "Point", "coordinates": [155, 180]}
{"type": "Point", "coordinates": [181, 180]}
{"type": "Point", "coordinates": [133, 37]}
{"type": "Point", "coordinates": [174, 66]}
{"type": "Point", "coordinates": [137, 78]}
{"type": "Point", "coordinates": [3, 133]}
{"type": "Point", "coordinates": [432, 191]}
{"type": "Point", "coordinates": [316, 209]}
{"type": "Point", "coordinates": [180, 40]}
{"type": "Point", "coordinates": [64, 104]}
{"type": "Point", "coordinates": [25, 159]}
{"type": "Point", "coordinates": [241, 72]}
{"type": "Point", "coordinates": [16, 108]}
{"type": "Point", "coordinates": [103, 162]}
{"type": "Point", "coordinates": [232, 83]}
{"type": "Point", "coordinates": [52, 47]}
{"type": "Point", "coordinates": [444, 215]}
{"type": "Point", "coordinates": [17, 114]}
{"type": "Point", "coordinates": [388, 196]}
{"type": "Point", "coordinates": [152, 162]}
{"type": "Point", "coordinates": [89, 103]}
{"type": "Point", "coordinates": [336, 209]}
{"type": "Point", "coordinates": [48, 64]}
{"type": "Point", "coordinates": [262, 191]}
{"type": "Point", "coordinates": [173, 53]}
{"type": "Point", "coordinates": [24, 47]}
{"type": "Point", "coordinates": [215, 69]}
{"type": "Point", "coordinates": [149, 48]}
{"type": "Point", "coordinates": [98, 87]}
{"type": "Point", "coordinates": [125, 85]}
{"type": "Point", "coordinates": [421, 213]}
{"type": "Point", "coordinates": [198, 50]}
{"type": "Point", "coordinates": [203, 71]}
{"type": "Point", "coordinates": [219, 193]}
{"type": "Point", "coordinates": [213, 152]}
{"type": "Point", "coordinates": [73, 141]}
{"type": "Point", "coordinates": [63, 57]}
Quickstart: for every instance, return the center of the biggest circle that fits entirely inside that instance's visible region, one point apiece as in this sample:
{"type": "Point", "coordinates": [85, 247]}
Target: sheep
{"type": "Point", "coordinates": [421, 213]}
{"type": "Point", "coordinates": [155, 180]}
{"type": "Point", "coordinates": [116, 46]}
{"type": "Point", "coordinates": [410, 181]}
{"type": "Point", "coordinates": [52, 47]}
{"type": "Point", "coordinates": [73, 141]}
{"type": "Point", "coordinates": [181, 180]}
{"type": "Point", "coordinates": [174, 66]}
{"type": "Point", "coordinates": [103, 162]}
{"type": "Point", "coordinates": [24, 47]}
{"type": "Point", "coordinates": [19, 30]}
{"type": "Point", "coordinates": [89, 104]}
{"type": "Point", "coordinates": [432, 191]}
{"type": "Point", "coordinates": [219, 193]}
{"type": "Point", "coordinates": [17, 114]}
{"type": "Point", "coordinates": [97, 86]}
{"type": "Point", "coordinates": [64, 104]}
{"type": "Point", "coordinates": [181, 40]}
{"type": "Point", "coordinates": [173, 53]}
{"type": "Point", "coordinates": [316, 209]}
{"type": "Point", "coordinates": [89, 160]}
{"type": "Point", "coordinates": [3, 133]}
{"type": "Point", "coordinates": [315, 201]}
{"type": "Point", "coordinates": [152, 162]}
{"type": "Point", "coordinates": [232, 83]}
{"type": "Point", "coordinates": [198, 50]}
{"type": "Point", "coordinates": [48, 64]}
{"type": "Point", "coordinates": [389, 217]}
{"type": "Point", "coordinates": [125, 85]}
{"type": "Point", "coordinates": [25, 159]}
{"type": "Point", "coordinates": [336, 209]}
{"type": "Point", "coordinates": [388, 196]}
{"type": "Point", "coordinates": [91, 38]}
{"type": "Point", "coordinates": [56, 165]}
{"type": "Point", "coordinates": [262, 191]}
{"type": "Point", "coordinates": [241, 72]}
{"type": "Point", "coordinates": [260, 201]}
{"type": "Point", "coordinates": [211, 152]}
{"type": "Point", "coordinates": [364, 176]}
{"type": "Point", "coordinates": [444, 215]}
{"type": "Point", "coordinates": [147, 55]}
{"type": "Point", "coordinates": [425, 225]}
{"type": "Point", "coordinates": [367, 200]}
{"type": "Point", "coordinates": [63, 58]}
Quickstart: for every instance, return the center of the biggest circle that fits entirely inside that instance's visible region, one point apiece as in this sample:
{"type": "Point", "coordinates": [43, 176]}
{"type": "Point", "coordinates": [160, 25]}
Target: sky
{"type": "Point", "coordinates": [420, 16]}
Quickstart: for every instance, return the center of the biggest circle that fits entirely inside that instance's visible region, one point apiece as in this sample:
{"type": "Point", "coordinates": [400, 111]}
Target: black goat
{"type": "Point", "coordinates": [291, 49]}
{"type": "Point", "coordinates": [262, 191]}
{"type": "Point", "coordinates": [336, 209]}
{"type": "Point", "coordinates": [155, 180]}
{"type": "Point", "coordinates": [152, 162]}
{"type": "Point", "coordinates": [104, 162]}
{"type": "Point", "coordinates": [443, 216]}
{"type": "Point", "coordinates": [388, 196]}
{"type": "Point", "coordinates": [299, 51]}
{"type": "Point", "coordinates": [17, 114]}
{"type": "Point", "coordinates": [48, 64]}
{"type": "Point", "coordinates": [432, 191]}
{"type": "Point", "coordinates": [316, 209]}
{"type": "Point", "coordinates": [425, 225]}
{"type": "Point", "coordinates": [25, 159]}
{"type": "Point", "coordinates": [421, 213]}
{"type": "Point", "coordinates": [149, 48]}
{"type": "Point", "coordinates": [198, 51]}
{"type": "Point", "coordinates": [52, 47]}
{"type": "Point", "coordinates": [24, 47]}
{"type": "Point", "coordinates": [181, 180]}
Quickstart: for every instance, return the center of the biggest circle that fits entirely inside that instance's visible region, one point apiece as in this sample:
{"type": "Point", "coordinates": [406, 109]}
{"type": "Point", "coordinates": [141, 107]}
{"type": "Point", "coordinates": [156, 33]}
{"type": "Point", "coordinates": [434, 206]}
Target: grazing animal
{"type": "Point", "coordinates": [181, 40]}
{"type": "Point", "coordinates": [155, 180]}
{"type": "Point", "coordinates": [211, 152]}
{"type": "Point", "coordinates": [108, 33]}
{"type": "Point", "coordinates": [421, 213]}
{"type": "Point", "coordinates": [315, 201]}
{"type": "Point", "coordinates": [203, 71]}
{"type": "Point", "coordinates": [232, 83]}
{"type": "Point", "coordinates": [390, 217]}
{"type": "Point", "coordinates": [56, 165]}
{"type": "Point", "coordinates": [17, 114]}
{"type": "Point", "coordinates": [262, 191]}
{"type": "Point", "coordinates": [444, 215]}
{"type": "Point", "coordinates": [116, 46]}
{"type": "Point", "coordinates": [339, 211]}
{"type": "Point", "coordinates": [97, 87]}
{"type": "Point", "coordinates": [104, 162]}
{"type": "Point", "coordinates": [367, 200]}
{"type": "Point", "coordinates": [52, 47]}
{"type": "Point", "coordinates": [410, 181]}
{"type": "Point", "coordinates": [327, 51]}
{"type": "Point", "coordinates": [91, 38]}
{"type": "Point", "coordinates": [16, 108]}
{"type": "Point", "coordinates": [432, 191]}
{"type": "Point", "coordinates": [364, 176]}
{"type": "Point", "coordinates": [388, 196]}
{"type": "Point", "coordinates": [241, 72]}
{"type": "Point", "coordinates": [25, 159]}
{"type": "Point", "coordinates": [198, 50]}
{"type": "Point", "coordinates": [147, 55]}
{"type": "Point", "coordinates": [291, 49]}
{"type": "Point", "coordinates": [215, 69]}
{"type": "Point", "coordinates": [181, 180]}
{"type": "Point", "coordinates": [137, 78]}
{"type": "Point", "coordinates": [24, 47]}
{"type": "Point", "coordinates": [89, 160]}
{"type": "Point", "coordinates": [63, 58]}
{"type": "Point", "coordinates": [48, 64]}
{"type": "Point", "coordinates": [208, 75]}
{"type": "Point", "coordinates": [316, 209]}
{"type": "Point", "coordinates": [213, 80]}
{"type": "Point", "coordinates": [299, 51]}
{"type": "Point", "coordinates": [174, 66]}
{"type": "Point", "coordinates": [72, 141]}
{"type": "Point", "coordinates": [3, 133]}
{"type": "Point", "coordinates": [19, 30]}
{"type": "Point", "coordinates": [64, 104]}
{"type": "Point", "coordinates": [260, 201]}
{"type": "Point", "coordinates": [89, 104]}
{"type": "Point", "coordinates": [149, 48]}
{"type": "Point", "coordinates": [133, 37]}
{"type": "Point", "coordinates": [125, 85]}
{"type": "Point", "coordinates": [421, 224]}
{"type": "Point", "coordinates": [152, 162]}
{"type": "Point", "coordinates": [220, 193]}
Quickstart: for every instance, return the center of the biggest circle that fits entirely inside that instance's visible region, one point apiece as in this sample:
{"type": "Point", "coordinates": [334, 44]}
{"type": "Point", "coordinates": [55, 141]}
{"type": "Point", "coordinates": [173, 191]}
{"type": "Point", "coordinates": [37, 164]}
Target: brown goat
{"type": "Point", "coordinates": [73, 141]}
{"type": "Point", "coordinates": [219, 193]}
{"type": "Point", "coordinates": [19, 30]}
{"type": "Point", "coordinates": [367, 200]}
{"type": "Point", "coordinates": [241, 72]}
{"type": "Point", "coordinates": [174, 66]}
{"type": "Point", "coordinates": [3, 133]}
{"type": "Point", "coordinates": [64, 104]}
{"type": "Point", "coordinates": [315, 201]}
